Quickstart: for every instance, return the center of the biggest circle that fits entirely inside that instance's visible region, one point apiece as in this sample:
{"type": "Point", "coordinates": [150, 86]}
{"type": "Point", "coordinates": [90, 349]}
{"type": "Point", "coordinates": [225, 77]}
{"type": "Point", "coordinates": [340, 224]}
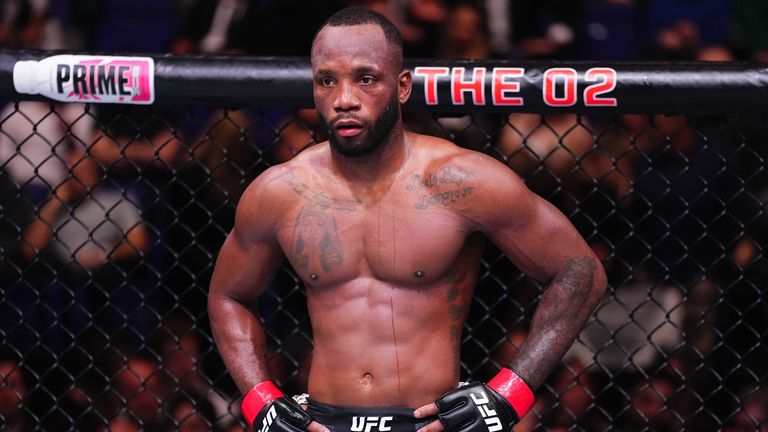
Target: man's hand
{"type": "Point", "coordinates": [479, 407]}
{"type": "Point", "coordinates": [267, 409]}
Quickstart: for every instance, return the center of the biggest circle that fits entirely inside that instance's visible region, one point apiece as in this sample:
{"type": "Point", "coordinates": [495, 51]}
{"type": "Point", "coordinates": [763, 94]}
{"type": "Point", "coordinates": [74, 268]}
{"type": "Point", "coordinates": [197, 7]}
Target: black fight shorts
{"type": "Point", "coordinates": [350, 419]}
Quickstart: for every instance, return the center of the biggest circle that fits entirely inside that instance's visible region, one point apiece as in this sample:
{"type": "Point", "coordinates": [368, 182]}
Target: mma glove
{"type": "Point", "coordinates": [491, 407]}
{"type": "Point", "coordinates": [267, 409]}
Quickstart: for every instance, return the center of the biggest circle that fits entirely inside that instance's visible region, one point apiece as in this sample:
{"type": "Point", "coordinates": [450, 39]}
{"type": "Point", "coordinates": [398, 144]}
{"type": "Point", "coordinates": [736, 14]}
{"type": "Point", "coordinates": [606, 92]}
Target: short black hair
{"type": "Point", "coordinates": [352, 16]}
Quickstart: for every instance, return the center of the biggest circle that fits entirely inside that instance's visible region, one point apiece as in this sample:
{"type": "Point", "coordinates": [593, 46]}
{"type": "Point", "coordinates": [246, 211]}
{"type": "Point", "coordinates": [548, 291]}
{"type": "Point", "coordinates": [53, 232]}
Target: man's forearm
{"type": "Point", "coordinates": [240, 339]}
{"type": "Point", "coordinates": [562, 311]}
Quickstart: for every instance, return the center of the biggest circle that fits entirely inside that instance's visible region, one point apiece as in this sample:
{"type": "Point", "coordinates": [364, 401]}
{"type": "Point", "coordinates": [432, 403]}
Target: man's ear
{"type": "Point", "coordinates": [404, 83]}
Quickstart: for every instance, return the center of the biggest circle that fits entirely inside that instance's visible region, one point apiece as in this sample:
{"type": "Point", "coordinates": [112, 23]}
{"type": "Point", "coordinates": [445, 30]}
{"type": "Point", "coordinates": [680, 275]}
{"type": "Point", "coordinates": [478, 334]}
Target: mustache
{"type": "Point", "coordinates": [346, 116]}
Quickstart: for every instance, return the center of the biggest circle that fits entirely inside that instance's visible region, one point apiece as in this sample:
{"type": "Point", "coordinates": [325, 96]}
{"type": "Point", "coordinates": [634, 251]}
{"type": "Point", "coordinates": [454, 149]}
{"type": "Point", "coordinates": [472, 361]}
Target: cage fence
{"type": "Point", "coordinates": [112, 217]}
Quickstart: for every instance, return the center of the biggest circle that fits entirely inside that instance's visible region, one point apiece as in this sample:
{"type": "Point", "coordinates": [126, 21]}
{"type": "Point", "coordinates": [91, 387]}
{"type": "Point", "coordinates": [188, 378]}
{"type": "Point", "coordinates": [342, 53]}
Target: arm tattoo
{"type": "Point", "coordinates": [576, 276]}
{"type": "Point", "coordinates": [562, 311]}
{"type": "Point", "coordinates": [316, 241]}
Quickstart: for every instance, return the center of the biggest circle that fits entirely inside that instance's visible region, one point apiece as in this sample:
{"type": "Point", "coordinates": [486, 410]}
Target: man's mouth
{"type": "Point", "coordinates": [348, 128]}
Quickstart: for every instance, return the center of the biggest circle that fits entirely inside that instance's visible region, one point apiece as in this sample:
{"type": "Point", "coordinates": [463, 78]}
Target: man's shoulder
{"type": "Point", "coordinates": [438, 154]}
{"type": "Point", "coordinates": [278, 178]}
{"type": "Point", "coordinates": [473, 181]}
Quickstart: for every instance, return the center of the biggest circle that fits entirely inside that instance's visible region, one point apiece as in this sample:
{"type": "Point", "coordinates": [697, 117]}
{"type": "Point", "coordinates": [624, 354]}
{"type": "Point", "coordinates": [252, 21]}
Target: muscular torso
{"type": "Point", "coordinates": [389, 270]}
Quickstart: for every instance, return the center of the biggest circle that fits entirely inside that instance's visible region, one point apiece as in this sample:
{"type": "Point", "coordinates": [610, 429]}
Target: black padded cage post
{"type": "Point", "coordinates": [111, 218]}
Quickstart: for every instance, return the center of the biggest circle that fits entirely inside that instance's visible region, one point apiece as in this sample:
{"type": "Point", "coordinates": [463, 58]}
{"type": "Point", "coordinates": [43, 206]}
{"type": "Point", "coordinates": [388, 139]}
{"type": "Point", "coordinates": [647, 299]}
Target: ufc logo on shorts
{"type": "Point", "coordinates": [491, 419]}
{"type": "Point", "coordinates": [367, 424]}
{"type": "Point", "coordinates": [271, 414]}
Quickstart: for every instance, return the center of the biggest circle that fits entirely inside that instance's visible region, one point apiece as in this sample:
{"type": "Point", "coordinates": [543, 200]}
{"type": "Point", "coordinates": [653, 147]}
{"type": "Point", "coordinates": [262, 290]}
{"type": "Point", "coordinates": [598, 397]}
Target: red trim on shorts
{"type": "Point", "coordinates": [509, 385]}
{"type": "Point", "coordinates": [260, 395]}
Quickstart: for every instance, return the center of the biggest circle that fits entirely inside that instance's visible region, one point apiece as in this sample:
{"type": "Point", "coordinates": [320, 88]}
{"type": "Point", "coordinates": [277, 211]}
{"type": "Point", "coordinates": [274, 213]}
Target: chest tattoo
{"type": "Point", "coordinates": [316, 242]}
{"type": "Point", "coordinates": [440, 188]}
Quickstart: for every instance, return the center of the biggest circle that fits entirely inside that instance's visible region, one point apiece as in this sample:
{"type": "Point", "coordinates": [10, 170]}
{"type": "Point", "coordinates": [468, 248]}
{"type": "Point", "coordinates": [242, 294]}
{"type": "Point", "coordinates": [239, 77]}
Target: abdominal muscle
{"type": "Point", "coordinates": [376, 345]}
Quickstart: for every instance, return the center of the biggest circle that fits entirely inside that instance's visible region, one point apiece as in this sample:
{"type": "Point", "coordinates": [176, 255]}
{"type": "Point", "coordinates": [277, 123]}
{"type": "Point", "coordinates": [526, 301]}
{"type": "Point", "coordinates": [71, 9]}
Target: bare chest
{"type": "Point", "coordinates": [407, 237]}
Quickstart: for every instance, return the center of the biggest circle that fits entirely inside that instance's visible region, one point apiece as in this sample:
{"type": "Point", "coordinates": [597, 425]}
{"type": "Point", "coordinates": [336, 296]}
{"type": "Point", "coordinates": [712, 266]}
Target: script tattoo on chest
{"type": "Point", "coordinates": [316, 242]}
{"type": "Point", "coordinates": [440, 188]}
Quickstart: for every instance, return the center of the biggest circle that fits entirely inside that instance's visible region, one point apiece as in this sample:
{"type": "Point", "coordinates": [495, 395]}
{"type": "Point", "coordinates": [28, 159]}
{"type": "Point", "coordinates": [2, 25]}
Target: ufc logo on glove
{"type": "Point", "coordinates": [491, 418]}
{"type": "Point", "coordinates": [268, 419]}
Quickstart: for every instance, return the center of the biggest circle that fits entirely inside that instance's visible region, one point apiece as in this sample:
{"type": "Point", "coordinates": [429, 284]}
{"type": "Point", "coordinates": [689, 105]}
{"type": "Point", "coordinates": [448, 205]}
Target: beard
{"type": "Point", "coordinates": [363, 145]}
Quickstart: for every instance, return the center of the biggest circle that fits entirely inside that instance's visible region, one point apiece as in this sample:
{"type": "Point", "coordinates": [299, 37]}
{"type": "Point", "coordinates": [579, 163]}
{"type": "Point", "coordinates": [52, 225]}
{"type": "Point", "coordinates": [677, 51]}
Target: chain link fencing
{"type": "Point", "coordinates": [111, 218]}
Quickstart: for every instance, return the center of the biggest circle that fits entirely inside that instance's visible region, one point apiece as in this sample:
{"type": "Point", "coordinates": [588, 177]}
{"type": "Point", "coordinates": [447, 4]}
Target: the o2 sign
{"type": "Point", "coordinates": [560, 87]}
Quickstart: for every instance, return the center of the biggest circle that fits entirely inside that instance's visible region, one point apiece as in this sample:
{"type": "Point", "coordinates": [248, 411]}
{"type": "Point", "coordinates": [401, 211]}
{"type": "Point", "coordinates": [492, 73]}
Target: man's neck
{"type": "Point", "coordinates": [382, 164]}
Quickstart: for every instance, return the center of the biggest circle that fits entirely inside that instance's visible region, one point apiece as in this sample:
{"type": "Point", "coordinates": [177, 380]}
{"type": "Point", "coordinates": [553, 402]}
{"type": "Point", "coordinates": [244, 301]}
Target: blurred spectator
{"type": "Point", "coordinates": [136, 138]}
{"type": "Point", "coordinates": [635, 327]}
{"type": "Point", "coordinates": [13, 393]}
{"type": "Point", "coordinates": [499, 13]}
{"type": "Point", "coordinates": [72, 221]}
{"type": "Point", "coordinates": [686, 232]}
{"type": "Point", "coordinates": [134, 141]}
{"type": "Point", "coordinates": [464, 34]}
{"type": "Point", "coordinates": [753, 411]}
{"type": "Point", "coordinates": [553, 142]}
{"type": "Point", "coordinates": [74, 245]}
{"type": "Point", "coordinates": [122, 423]}
{"type": "Point", "coordinates": [573, 393]}
{"type": "Point", "coordinates": [532, 29]}
{"type": "Point", "coordinates": [36, 142]}
{"type": "Point", "coordinates": [206, 25]}
{"type": "Point", "coordinates": [655, 405]}
{"type": "Point", "coordinates": [187, 416]}
{"type": "Point", "coordinates": [144, 386]}
{"type": "Point", "coordinates": [297, 133]}
{"type": "Point", "coordinates": [141, 148]}
{"type": "Point", "coordinates": [715, 53]}
{"type": "Point", "coordinates": [420, 22]}
{"type": "Point", "coordinates": [609, 166]}
{"type": "Point", "coordinates": [179, 344]}
{"type": "Point", "coordinates": [29, 24]}
{"type": "Point", "coordinates": [678, 29]}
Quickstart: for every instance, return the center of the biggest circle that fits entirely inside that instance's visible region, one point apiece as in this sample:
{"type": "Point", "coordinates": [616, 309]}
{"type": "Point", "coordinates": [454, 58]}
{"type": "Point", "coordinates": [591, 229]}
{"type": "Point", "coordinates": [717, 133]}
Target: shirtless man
{"type": "Point", "coordinates": [385, 228]}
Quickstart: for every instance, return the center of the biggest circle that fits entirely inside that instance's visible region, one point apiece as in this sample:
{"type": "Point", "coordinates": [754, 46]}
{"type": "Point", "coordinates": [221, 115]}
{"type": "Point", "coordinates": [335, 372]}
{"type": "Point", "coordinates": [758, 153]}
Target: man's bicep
{"type": "Point", "coordinates": [245, 267]}
{"type": "Point", "coordinates": [536, 236]}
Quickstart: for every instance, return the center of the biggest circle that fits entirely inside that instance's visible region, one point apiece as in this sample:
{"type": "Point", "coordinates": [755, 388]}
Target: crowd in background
{"type": "Point", "coordinates": [509, 29]}
{"type": "Point", "coordinates": [111, 216]}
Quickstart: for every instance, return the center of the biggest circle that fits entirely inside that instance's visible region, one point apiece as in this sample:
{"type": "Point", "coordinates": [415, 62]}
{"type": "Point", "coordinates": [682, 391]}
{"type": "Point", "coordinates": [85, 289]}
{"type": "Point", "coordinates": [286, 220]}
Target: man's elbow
{"type": "Point", "coordinates": [599, 282]}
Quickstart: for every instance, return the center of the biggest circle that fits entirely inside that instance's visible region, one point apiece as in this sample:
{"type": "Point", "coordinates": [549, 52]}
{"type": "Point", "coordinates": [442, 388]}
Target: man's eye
{"type": "Point", "coordinates": [326, 82]}
{"type": "Point", "coordinates": [367, 80]}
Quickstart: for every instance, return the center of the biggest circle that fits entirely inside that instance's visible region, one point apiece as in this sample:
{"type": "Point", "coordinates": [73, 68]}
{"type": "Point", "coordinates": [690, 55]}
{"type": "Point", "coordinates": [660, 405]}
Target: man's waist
{"type": "Point", "coordinates": [365, 419]}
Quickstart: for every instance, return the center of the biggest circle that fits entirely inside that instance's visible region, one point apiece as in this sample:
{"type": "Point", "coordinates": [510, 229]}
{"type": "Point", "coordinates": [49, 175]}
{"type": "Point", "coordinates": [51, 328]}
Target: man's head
{"type": "Point", "coordinates": [358, 80]}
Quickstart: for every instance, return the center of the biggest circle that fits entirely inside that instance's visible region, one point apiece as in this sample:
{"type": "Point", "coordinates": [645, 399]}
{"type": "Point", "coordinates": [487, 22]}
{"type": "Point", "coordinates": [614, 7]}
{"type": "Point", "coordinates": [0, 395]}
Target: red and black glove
{"type": "Point", "coordinates": [267, 409]}
{"type": "Point", "coordinates": [491, 407]}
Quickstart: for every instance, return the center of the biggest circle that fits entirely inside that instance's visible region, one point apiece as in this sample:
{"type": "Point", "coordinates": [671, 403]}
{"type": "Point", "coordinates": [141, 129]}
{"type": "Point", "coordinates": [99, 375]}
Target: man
{"type": "Point", "coordinates": [385, 228]}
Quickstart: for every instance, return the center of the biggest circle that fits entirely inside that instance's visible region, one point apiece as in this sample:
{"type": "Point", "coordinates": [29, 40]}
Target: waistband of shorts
{"type": "Point", "coordinates": [365, 419]}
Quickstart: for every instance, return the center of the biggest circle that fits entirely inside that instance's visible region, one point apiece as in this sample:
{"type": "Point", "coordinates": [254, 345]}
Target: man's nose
{"type": "Point", "coordinates": [346, 99]}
